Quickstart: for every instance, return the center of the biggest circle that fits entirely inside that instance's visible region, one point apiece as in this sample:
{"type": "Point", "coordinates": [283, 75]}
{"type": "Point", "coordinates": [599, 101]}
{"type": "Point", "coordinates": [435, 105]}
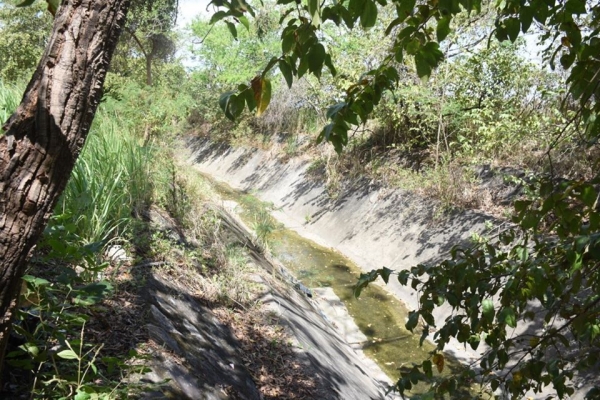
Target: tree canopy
{"type": "Point", "coordinates": [25, 29]}
{"type": "Point", "coordinates": [568, 29]}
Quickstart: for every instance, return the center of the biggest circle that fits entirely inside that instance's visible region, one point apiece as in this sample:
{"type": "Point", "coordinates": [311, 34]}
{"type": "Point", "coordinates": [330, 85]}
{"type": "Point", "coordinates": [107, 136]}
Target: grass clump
{"type": "Point", "coordinates": [10, 97]}
{"type": "Point", "coordinates": [112, 181]}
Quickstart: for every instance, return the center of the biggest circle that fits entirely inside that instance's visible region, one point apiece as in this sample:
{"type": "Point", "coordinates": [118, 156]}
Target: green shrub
{"type": "Point", "coordinates": [54, 357]}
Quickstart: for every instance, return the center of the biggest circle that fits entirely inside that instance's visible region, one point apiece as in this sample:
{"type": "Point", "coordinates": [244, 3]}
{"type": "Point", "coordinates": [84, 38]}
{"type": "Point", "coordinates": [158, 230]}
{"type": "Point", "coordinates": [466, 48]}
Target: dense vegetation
{"type": "Point", "coordinates": [414, 98]}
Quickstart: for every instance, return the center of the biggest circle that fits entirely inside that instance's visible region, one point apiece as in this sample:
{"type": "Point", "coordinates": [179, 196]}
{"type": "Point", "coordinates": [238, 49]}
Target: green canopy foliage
{"type": "Point", "coordinates": [24, 32]}
{"type": "Point", "coordinates": [148, 41]}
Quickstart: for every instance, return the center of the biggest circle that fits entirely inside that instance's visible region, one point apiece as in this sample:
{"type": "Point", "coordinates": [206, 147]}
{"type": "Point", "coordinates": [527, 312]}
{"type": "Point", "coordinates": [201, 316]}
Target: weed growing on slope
{"type": "Point", "coordinates": [55, 351]}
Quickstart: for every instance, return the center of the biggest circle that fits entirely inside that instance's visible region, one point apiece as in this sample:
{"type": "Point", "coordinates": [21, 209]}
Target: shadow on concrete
{"type": "Point", "coordinates": [211, 366]}
{"type": "Point", "coordinates": [203, 359]}
{"type": "Point", "coordinates": [206, 150]}
{"type": "Point", "coordinates": [323, 352]}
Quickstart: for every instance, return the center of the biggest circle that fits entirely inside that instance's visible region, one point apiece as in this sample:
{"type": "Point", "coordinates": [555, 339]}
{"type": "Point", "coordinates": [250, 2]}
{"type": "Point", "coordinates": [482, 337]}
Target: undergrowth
{"type": "Point", "coordinates": [129, 210]}
{"type": "Point", "coordinates": [75, 287]}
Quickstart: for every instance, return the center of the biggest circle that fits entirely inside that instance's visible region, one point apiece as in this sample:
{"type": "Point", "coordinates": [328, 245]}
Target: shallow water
{"type": "Point", "coordinates": [379, 315]}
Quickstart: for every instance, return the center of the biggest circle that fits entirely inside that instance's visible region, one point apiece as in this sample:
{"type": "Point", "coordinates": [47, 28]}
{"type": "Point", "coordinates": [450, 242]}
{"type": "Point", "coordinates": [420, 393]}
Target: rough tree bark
{"type": "Point", "coordinates": [46, 133]}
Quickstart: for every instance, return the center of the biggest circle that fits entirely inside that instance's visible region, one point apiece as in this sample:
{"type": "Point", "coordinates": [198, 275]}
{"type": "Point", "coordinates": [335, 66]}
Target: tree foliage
{"type": "Point", "coordinates": [25, 29]}
{"type": "Point", "coordinates": [569, 29]}
{"type": "Point", "coordinates": [148, 39]}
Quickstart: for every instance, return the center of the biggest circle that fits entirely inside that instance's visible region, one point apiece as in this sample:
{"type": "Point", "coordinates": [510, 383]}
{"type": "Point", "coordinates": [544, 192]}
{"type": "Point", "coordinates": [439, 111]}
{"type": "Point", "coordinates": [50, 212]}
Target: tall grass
{"type": "Point", "coordinates": [111, 180]}
{"type": "Point", "coordinates": [10, 97]}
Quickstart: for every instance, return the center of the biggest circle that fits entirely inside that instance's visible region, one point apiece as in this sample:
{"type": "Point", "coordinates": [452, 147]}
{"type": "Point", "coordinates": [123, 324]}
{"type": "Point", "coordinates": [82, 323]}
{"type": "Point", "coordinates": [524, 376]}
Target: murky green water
{"type": "Point", "coordinates": [378, 314]}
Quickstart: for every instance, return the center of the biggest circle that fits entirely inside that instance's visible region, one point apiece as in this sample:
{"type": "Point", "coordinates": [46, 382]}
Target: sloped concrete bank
{"type": "Point", "coordinates": [201, 358]}
{"type": "Point", "coordinates": [371, 225]}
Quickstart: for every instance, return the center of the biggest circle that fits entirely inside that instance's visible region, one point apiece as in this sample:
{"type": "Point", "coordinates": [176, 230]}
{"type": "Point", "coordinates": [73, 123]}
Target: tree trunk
{"type": "Point", "coordinates": [45, 135]}
{"type": "Point", "coordinates": [149, 70]}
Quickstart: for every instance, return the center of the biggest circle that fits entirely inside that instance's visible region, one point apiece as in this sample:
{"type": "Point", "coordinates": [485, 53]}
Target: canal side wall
{"type": "Point", "coordinates": [371, 225]}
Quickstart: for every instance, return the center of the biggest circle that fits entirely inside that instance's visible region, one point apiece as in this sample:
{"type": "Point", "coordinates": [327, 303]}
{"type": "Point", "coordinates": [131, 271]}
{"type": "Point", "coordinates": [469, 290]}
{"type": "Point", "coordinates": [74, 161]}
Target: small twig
{"type": "Point", "coordinates": [151, 264]}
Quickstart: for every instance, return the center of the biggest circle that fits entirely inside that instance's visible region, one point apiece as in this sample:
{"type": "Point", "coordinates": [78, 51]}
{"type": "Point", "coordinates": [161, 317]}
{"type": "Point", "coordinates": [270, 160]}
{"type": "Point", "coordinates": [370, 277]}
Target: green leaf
{"type": "Point", "coordinates": [530, 221]}
{"type": "Point", "coordinates": [81, 395]}
{"type": "Point", "coordinates": [356, 8]}
{"type": "Point", "coordinates": [314, 9]}
{"type": "Point", "coordinates": [219, 15]}
{"type": "Point", "coordinates": [526, 17]}
{"type": "Point", "coordinates": [338, 137]}
{"type": "Point", "coordinates": [474, 342]}
{"type": "Point", "coordinates": [443, 28]}
{"type": "Point", "coordinates": [512, 26]}
{"type": "Point", "coordinates": [576, 7]}
{"type": "Point", "coordinates": [286, 71]}
{"type": "Point", "coordinates": [488, 309]}
{"type": "Point", "coordinates": [232, 29]}
{"type": "Point", "coordinates": [399, 55]}
{"type": "Point", "coordinates": [26, 3]}
{"type": "Point", "coordinates": [541, 11]}
{"type": "Point", "coordinates": [392, 25]}
{"type": "Point", "coordinates": [244, 21]}
{"type": "Point", "coordinates": [449, 7]}
{"type": "Point", "coordinates": [303, 66]}
{"type": "Point", "coordinates": [428, 368]}
{"type": "Point", "coordinates": [272, 62]}
{"type": "Point", "coordinates": [21, 363]}
{"type": "Point", "coordinates": [365, 278]}
{"type": "Point", "coordinates": [413, 320]}
{"type": "Point", "coordinates": [471, 5]}
{"type": "Point", "coordinates": [35, 282]}
{"type": "Point", "coordinates": [68, 355]}
{"type": "Point", "coordinates": [334, 109]}
{"type": "Point", "coordinates": [287, 41]}
{"type": "Point", "coordinates": [423, 68]}
{"type": "Point", "coordinates": [31, 349]}
{"type": "Point", "coordinates": [224, 103]}
{"type": "Point", "coordinates": [385, 274]}
{"type": "Point", "coordinates": [347, 17]}
{"type": "Point", "coordinates": [588, 195]}
{"type": "Point", "coordinates": [316, 58]}
{"type": "Point", "coordinates": [92, 293]}
{"type": "Point", "coordinates": [330, 65]}
{"type": "Point", "coordinates": [232, 105]}
{"type": "Point", "coordinates": [424, 335]}
{"type": "Point", "coordinates": [368, 18]}
{"type": "Point", "coordinates": [507, 315]}
{"type": "Point", "coordinates": [405, 9]}
{"type": "Point", "coordinates": [427, 58]}
{"type": "Point", "coordinates": [53, 6]}
{"type": "Point", "coordinates": [248, 95]}
{"type": "Point", "coordinates": [567, 59]}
